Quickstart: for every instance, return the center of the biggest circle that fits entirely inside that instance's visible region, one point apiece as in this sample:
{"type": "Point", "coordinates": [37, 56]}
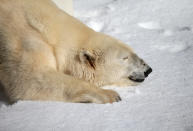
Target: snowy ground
{"type": "Point", "coordinates": [161, 32]}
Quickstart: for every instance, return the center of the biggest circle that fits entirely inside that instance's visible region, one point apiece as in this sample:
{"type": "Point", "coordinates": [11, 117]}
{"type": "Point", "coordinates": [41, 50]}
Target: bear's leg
{"type": "Point", "coordinates": [55, 86]}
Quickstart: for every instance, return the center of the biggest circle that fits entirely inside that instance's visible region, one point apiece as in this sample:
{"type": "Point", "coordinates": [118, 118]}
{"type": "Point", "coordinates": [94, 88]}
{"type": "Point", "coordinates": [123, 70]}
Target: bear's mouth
{"type": "Point", "coordinates": [135, 79]}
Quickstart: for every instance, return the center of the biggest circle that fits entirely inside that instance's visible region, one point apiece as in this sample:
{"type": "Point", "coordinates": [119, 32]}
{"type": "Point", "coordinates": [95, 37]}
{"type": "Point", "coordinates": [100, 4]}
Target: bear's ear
{"type": "Point", "coordinates": [87, 58]}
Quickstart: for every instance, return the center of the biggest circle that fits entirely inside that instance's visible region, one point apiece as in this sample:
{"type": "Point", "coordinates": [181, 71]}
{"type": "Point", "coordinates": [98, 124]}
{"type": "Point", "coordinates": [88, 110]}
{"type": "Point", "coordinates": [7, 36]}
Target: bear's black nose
{"type": "Point", "coordinates": [147, 72]}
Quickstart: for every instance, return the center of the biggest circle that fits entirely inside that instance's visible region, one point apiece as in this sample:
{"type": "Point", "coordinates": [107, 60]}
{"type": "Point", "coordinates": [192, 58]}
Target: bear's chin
{"type": "Point", "coordinates": [125, 83]}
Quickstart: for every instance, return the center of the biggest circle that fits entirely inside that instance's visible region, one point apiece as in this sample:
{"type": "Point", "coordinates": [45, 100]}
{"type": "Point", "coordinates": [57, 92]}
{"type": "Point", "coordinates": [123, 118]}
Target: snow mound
{"type": "Point", "coordinates": [172, 48]}
{"type": "Point", "coordinates": [168, 32]}
{"type": "Point", "coordinates": [151, 25]}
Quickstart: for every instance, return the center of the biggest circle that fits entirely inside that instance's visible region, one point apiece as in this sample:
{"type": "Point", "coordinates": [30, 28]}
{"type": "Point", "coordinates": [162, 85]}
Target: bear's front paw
{"type": "Point", "coordinates": [99, 96]}
{"type": "Point", "coordinates": [111, 96]}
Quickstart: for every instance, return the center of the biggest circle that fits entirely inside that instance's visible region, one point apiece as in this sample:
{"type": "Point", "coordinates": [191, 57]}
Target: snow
{"type": "Point", "coordinates": [95, 25]}
{"type": "Point", "coordinates": [164, 102]}
{"type": "Point", "coordinates": [152, 25]}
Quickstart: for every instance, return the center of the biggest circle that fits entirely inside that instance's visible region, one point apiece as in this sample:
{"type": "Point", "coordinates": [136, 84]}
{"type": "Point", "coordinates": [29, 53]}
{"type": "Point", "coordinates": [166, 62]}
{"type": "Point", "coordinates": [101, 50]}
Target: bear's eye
{"type": "Point", "coordinates": [125, 58]}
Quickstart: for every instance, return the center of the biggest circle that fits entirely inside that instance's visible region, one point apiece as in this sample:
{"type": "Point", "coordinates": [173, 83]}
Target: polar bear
{"type": "Point", "coordinates": [47, 55]}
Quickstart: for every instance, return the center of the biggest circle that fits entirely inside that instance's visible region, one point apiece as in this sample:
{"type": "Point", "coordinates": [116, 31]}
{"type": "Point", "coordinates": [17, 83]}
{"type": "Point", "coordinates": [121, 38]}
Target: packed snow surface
{"type": "Point", "coordinates": [161, 32]}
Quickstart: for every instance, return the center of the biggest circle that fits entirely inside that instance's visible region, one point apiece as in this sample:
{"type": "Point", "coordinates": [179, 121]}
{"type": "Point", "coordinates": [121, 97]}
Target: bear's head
{"type": "Point", "coordinates": [107, 61]}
